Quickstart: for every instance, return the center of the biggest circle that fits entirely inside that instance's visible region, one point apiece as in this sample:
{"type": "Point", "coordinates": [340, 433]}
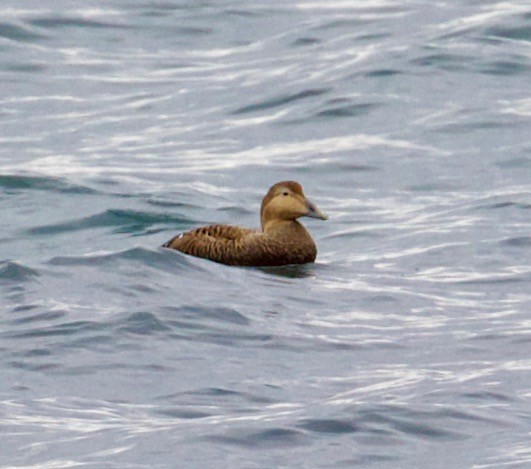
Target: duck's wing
{"type": "Point", "coordinates": [219, 243]}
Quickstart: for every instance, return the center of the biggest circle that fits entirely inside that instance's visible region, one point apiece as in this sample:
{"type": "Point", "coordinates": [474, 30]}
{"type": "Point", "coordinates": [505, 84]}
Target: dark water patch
{"type": "Point", "coordinates": [169, 259]}
{"type": "Point", "coordinates": [123, 221]}
{"type": "Point", "coordinates": [143, 324]}
{"type": "Point", "coordinates": [319, 344]}
{"type": "Point", "coordinates": [488, 396]}
{"type": "Point", "coordinates": [108, 181]}
{"type": "Point", "coordinates": [516, 162]}
{"type": "Point", "coordinates": [178, 65]}
{"type": "Point", "coordinates": [411, 426]}
{"type": "Point", "coordinates": [522, 339]}
{"type": "Point", "coordinates": [459, 33]}
{"type": "Point", "coordinates": [216, 392]}
{"type": "Point", "coordinates": [444, 61]}
{"type": "Point", "coordinates": [64, 329]}
{"type": "Point", "coordinates": [83, 370]}
{"type": "Point", "coordinates": [467, 127]}
{"type": "Point", "coordinates": [219, 314]}
{"type": "Point", "coordinates": [371, 36]}
{"type": "Point", "coordinates": [187, 5]}
{"type": "Point", "coordinates": [105, 343]}
{"type": "Point", "coordinates": [160, 259]}
{"type": "Point", "coordinates": [14, 272]}
{"type": "Point", "coordinates": [506, 204]}
{"type": "Point", "coordinates": [350, 23]}
{"type": "Point", "coordinates": [24, 68]}
{"type": "Point", "coordinates": [54, 22]}
{"type": "Point", "coordinates": [445, 413]}
{"type": "Point", "coordinates": [356, 167]}
{"type": "Point", "coordinates": [183, 414]}
{"type": "Point", "coordinates": [241, 13]}
{"type": "Point", "coordinates": [237, 210]}
{"type": "Point", "coordinates": [14, 291]}
{"type": "Point", "coordinates": [351, 110]}
{"type": "Point", "coordinates": [517, 242]}
{"type": "Point", "coordinates": [461, 415]}
{"type": "Point", "coordinates": [433, 187]}
{"type": "Point", "coordinates": [202, 333]}
{"type": "Point", "coordinates": [24, 308]}
{"type": "Point", "coordinates": [271, 438]}
{"type": "Point", "coordinates": [20, 387]}
{"type": "Point", "coordinates": [281, 100]}
{"type": "Point", "coordinates": [378, 299]}
{"type": "Point", "coordinates": [192, 30]}
{"type": "Point", "coordinates": [18, 33]}
{"type": "Point", "coordinates": [522, 33]}
{"type": "Point", "coordinates": [290, 271]}
{"type": "Point", "coordinates": [142, 288]}
{"type": "Point", "coordinates": [488, 337]}
{"type": "Point", "coordinates": [305, 41]}
{"type": "Point", "coordinates": [207, 393]}
{"type": "Point", "coordinates": [35, 353]}
{"type": "Point", "coordinates": [493, 280]}
{"type": "Point", "coordinates": [333, 426]}
{"type": "Point", "coordinates": [148, 232]}
{"type": "Point", "coordinates": [170, 204]}
{"type": "Point", "coordinates": [367, 460]}
{"type": "Point", "coordinates": [382, 72]}
{"type": "Point", "coordinates": [498, 205]}
{"type": "Point", "coordinates": [32, 366]}
{"type": "Point", "coordinates": [80, 370]}
{"type": "Point", "coordinates": [505, 67]}
{"type": "Point", "coordinates": [220, 395]}
{"type": "Point", "coordinates": [13, 182]}
{"type": "Point", "coordinates": [96, 259]}
{"type": "Point", "coordinates": [46, 316]}
{"type": "Point", "coordinates": [169, 6]}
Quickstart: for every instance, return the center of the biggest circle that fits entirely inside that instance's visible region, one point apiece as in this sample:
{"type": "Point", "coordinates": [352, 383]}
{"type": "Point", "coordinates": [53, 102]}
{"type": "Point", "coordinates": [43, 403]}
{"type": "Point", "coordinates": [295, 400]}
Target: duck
{"type": "Point", "coordinates": [282, 240]}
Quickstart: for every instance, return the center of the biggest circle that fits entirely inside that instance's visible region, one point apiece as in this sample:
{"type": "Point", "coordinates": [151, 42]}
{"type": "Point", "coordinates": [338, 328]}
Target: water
{"type": "Point", "coordinates": [408, 342]}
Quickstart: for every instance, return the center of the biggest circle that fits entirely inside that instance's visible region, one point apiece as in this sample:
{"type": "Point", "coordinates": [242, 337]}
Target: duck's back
{"type": "Point", "coordinates": [233, 245]}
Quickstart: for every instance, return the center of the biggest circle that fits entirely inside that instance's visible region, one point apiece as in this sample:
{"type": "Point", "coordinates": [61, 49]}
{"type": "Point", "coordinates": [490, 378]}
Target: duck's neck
{"type": "Point", "coordinates": [285, 229]}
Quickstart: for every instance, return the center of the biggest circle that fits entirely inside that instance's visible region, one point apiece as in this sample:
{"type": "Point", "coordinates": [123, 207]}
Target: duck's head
{"type": "Point", "coordinates": [286, 201]}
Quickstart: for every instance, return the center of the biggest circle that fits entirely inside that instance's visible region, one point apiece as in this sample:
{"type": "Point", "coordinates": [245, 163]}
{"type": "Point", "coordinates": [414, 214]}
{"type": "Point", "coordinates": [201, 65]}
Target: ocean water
{"type": "Point", "coordinates": [407, 344]}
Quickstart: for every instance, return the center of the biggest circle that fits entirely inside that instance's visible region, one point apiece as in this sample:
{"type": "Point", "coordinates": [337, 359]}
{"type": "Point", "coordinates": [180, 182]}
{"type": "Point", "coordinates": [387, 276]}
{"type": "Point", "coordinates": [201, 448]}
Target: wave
{"type": "Point", "coordinates": [54, 22]}
{"type": "Point", "coordinates": [11, 271]}
{"type": "Point", "coordinates": [123, 221]}
{"type": "Point", "coordinates": [280, 100]}
{"type": "Point", "coordinates": [19, 33]}
{"type": "Point", "coordinates": [16, 182]}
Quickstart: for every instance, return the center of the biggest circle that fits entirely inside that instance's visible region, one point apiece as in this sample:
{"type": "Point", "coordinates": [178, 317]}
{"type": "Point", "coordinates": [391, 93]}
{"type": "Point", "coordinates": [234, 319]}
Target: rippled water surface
{"type": "Point", "coordinates": [407, 344]}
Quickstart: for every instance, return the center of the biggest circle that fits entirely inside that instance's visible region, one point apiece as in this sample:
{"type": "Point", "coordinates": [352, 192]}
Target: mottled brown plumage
{"type": "Point", "coordinates": [283, 239]}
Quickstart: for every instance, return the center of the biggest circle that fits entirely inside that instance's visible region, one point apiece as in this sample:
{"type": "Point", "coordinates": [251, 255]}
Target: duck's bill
{"type": "Point", "coordinates": [314, 212]}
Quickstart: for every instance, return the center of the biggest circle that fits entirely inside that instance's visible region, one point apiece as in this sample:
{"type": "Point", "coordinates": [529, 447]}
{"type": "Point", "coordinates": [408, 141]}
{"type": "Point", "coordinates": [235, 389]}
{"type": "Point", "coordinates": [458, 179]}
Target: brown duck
{"type": "Point", "coordinates": [283, 239]}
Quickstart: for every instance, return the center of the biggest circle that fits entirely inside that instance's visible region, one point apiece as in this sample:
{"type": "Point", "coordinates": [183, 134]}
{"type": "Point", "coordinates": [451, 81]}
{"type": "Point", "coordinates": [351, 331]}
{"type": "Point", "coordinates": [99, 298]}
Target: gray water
{"type": "Point", "coordinates": [407, 344]}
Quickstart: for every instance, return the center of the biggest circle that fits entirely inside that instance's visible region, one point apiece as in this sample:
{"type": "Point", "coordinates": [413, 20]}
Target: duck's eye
{"type": "Point", "coordinates": [285, 193]}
